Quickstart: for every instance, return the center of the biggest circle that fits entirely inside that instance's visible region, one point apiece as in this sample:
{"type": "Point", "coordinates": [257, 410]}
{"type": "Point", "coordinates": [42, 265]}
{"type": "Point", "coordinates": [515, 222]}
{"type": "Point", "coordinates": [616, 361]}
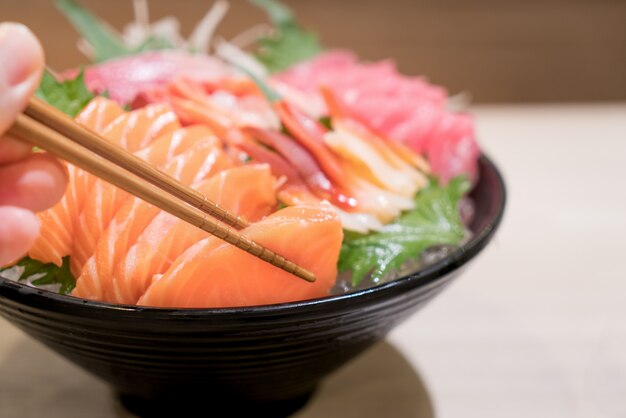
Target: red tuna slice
{"type": "Point", "coordinates": [405, 109]}
{"type": "Point", "coordinates": [452, 150]}
{"type": "Point", "coordinates": [342, 71]}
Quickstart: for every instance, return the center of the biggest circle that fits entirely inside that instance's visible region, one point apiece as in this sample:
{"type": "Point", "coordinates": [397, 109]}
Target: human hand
{"type": "Point", "coordinates": [29, 182]}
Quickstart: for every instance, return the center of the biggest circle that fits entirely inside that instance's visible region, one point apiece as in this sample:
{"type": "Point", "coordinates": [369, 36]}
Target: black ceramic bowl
{"type": "Point", "coordinates": [266, 360]}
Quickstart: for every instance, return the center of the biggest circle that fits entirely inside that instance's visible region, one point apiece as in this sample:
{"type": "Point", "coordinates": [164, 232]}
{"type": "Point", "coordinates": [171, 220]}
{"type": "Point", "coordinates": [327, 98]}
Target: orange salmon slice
{"type": "Point", "coordinates": [105, 199]}
{"type": "Point", "coordinates": [215, 274]}
{"type": "Point", "coordinates": [246, 191]}
{"type": "Point", "coordinates": [57, 223]}
{"type": "Point", "coordinates": [99, 113]}
{"type": "Point", "coordinates": [96, 280]}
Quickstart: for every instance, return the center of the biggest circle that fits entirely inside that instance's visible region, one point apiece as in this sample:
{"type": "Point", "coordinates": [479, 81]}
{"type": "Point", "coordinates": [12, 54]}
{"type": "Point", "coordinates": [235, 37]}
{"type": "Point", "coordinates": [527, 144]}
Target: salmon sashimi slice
{"type": "Point", "coordinates": [57, 223]}
{"type": "Point", "coordinates": [137, 129]}
{"type": "Point", "coordinates": [96, 279]}
{"type": "Point", "coordinates": [166, 147]}
{"type": "Point", "coordinates": [247, 191]}
{"type": "Point", "coordinates": [99, 113]}
{"type": "Point", "coordinates": [105, 199]}
{"type": "Point", "coordinates": [215, 274]}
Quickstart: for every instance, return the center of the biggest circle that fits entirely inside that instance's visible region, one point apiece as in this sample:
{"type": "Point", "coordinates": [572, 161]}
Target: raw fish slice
{"type": "Point", "coordinates": [247, 109]}
{"type": "Point", "coordinates": [246, 191]}
{"type": "Point", "coordinates": [96, 280]}
{"type": "Point", "coordinates": [215, 274]}
{"type": "Point", "coordinates": [378, 164]}
{"type": "Point", "coordinates": [310, 134]}
{"type": "Point", "coordinates": [105, 199]}
{"type": "Point", "coordinates": [99, 113]}
{"type": "Point", "coordinates": [124, 78]}
{"type": "Point", "coordinates": [133, 131]}
{"type": "Point", "coordinates": [57, 223]}
{"type": "Point", "coordinates": [453, 150]}
{"type": "Point", "coordinates": [395, 153]}
{"type": "Point", "coordinates": [137, 129]}
{"type": "Point", "coordinates": [166, 147]}
{"type": "Point", "coordinates": [307, 167]}
{"type": "Point", "coordinates": [294, 192]}
{"type": "Point", "coordinates": [405, 109]}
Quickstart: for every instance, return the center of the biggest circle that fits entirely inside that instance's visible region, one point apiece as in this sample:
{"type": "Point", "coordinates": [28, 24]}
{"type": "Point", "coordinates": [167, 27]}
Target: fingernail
{"type": "Point", "coordinates": [20, 54]}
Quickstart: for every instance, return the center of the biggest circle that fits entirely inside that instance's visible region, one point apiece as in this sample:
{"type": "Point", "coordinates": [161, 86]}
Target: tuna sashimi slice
{"type": "Point", "coordinates": [247, 191]}
{"type": "Point", "coordinates": [214, 274]}
{"type": "Point", "coordinates": [405, 109]}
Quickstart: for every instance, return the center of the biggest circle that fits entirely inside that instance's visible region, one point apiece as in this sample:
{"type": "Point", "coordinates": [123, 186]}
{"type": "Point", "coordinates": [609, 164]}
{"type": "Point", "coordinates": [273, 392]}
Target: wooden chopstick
{"type": "Point", "coordinates": [60, 122]}
{"type": "Point", "coordinates": [32, 131]}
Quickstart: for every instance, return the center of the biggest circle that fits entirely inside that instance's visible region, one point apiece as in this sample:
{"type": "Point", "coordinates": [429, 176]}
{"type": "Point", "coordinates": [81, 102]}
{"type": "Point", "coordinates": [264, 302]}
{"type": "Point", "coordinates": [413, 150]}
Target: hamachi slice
{"type": "Point", "coordinates": [215, 274]}
{"type": "Point", "coordinates": [246, 191]}
{"type": "Point", "coordinates": [105, 199]}
{"type": "Point", "coordinates": [57, 223]}
{"type": "Point", "coordinates": [96, 280]}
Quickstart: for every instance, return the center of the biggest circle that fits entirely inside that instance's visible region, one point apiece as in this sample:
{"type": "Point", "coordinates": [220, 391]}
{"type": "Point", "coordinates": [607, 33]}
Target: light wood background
{"type": "Point", "coordinates": [498, 50]}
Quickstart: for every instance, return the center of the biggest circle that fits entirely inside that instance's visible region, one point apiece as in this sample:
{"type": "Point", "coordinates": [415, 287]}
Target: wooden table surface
{"type": "Point", "coordinates": [535, 328]}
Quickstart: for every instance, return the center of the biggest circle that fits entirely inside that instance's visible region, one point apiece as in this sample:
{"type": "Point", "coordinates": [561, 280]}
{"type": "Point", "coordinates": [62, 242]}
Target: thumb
{"type": "Point", "coordinates": [21, 64]}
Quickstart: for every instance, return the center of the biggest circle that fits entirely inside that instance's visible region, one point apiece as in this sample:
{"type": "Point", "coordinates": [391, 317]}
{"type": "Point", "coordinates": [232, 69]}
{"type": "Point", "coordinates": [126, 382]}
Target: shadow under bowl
{"type": "Point", "coordinates": [265, 360]}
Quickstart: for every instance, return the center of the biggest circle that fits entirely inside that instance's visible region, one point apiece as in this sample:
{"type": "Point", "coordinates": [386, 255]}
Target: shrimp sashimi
{"type": "Point", "coordinates": [106, 199]}
{"type": "Point", "coordinates": [57, 223]}
{"type": "Point", "coordinates": [247, 191]}
{"type": "Point", "coordinates": [216, 274]}
{"type": "Point", "coordinates": [96, 280]}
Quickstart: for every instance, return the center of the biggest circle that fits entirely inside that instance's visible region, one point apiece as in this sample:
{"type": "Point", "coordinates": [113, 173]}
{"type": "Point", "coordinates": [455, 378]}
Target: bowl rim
{"type": "Point", "coordinates": [421, 278]}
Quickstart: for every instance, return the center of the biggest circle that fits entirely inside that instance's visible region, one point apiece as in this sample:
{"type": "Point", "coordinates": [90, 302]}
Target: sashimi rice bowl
{"type": "Point", "coordinates": [370, 179]}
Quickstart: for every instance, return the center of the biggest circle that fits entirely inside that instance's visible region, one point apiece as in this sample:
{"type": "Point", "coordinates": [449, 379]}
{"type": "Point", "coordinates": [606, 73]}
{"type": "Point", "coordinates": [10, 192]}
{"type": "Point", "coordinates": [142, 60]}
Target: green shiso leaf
{"type": "Point", "coordinates": [104, 40]}
{"type": "Point", "coordinates": [42, 274]}
{"type": "Point", "coordinates": [434, 221]}
{"type": "Point", "coordinates": [290, 44]}
{"type": "Point", "coordinates": [69, 96]}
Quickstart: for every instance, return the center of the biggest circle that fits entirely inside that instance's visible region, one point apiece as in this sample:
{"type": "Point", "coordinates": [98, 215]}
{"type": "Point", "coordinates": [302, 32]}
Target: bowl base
{"type": "Point", "coordinates": [205, 406]}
